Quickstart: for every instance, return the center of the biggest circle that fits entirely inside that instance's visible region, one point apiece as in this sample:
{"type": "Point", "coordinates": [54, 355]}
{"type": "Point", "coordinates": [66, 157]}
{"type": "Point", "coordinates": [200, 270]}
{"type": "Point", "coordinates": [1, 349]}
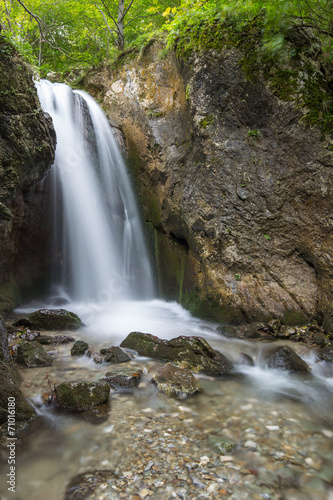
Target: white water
{"type": "Point", "coordinates": [99, 248]}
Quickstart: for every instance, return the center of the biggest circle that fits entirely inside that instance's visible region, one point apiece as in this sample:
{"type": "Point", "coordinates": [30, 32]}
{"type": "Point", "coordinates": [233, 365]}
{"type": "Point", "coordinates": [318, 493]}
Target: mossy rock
{"type": "Point", "coordinates": [81, 396]}
{"type": "Point", "coordinates": [175, 381]}
{"type": "Point", "coordinates": [32, 354]}
{"type": "Point", "coordinates": [125, 377]}
{"type": "Point", "coordinates": [221, 445]}
{"type": "Point", "coordinates": [79, 348]}
{"type": "Point", "coordinates": [51, 319]}
{"type": "Point", "coordinates": [114, 354]}
{"type": "Point", "coordinates": [193, 353]}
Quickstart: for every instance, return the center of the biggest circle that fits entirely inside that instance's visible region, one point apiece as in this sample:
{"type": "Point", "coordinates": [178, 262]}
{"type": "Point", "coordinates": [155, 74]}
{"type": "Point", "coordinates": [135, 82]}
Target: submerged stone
{"type": "Point", "coordinates": [193, 353]}
{"type": "Point", "coordinates": [79, 348]}
{"type": "Point", "coordinates": [175, 381]}
{"type": "Point", "coordinates": [32, 354]}
{"type": "Point", "coordinates": [287, 359]}
{"type": "Point", "coordinates": [83, 485]}
{"type": "Point", "coordinates": [220, 445]}
{"type": "Point", "coordinates": [54, 339]}
{"type": "Point", "coordinates": [51, 319]}
{"type": "Point", "coordinates": [125, 377]}
{"type": "Point", "coordinates": [81, 395]}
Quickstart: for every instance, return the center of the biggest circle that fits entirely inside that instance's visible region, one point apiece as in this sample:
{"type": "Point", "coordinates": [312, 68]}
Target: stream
{"type": "Point", "coordinates": [160, 447]}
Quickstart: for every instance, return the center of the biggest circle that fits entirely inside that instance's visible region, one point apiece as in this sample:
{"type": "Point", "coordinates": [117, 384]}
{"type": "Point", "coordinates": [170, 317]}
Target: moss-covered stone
{"type": "Point", "coordinates": [51, 319]}
{"type": "Point", "coordinates": [10, 384]}
{"type": "Point", "coordinates": [114, 355]}
{"type": "Point", "coordinates": [123, 377]}
{"type": "Point", "coordinates": [32, 354]}
{"type": "Point", "coordinates": [193, 353]}
{"type": "Point", "coordinates": [81, 396]}
{"type": "Point", "coordinates": [175, 381]}
{"type": "Point", "coordinates": [79, 348]}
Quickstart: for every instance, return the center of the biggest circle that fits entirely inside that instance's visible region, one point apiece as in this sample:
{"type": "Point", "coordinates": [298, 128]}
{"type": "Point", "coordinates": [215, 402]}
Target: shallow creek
{"type": "Point", "coordinates": [159, 447]}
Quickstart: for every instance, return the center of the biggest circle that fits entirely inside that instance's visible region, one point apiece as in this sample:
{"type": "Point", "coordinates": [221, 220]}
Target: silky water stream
{"type": "Point", "coordinates": [154, 446]}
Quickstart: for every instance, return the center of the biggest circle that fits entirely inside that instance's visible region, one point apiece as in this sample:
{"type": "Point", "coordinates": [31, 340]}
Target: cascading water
{"type": "Point", "coordinates": [99, 250]}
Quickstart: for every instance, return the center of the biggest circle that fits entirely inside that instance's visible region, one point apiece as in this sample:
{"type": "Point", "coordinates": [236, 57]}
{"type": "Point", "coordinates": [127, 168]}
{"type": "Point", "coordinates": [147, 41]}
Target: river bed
{"type": "Point", "coordinates": [158, 447]}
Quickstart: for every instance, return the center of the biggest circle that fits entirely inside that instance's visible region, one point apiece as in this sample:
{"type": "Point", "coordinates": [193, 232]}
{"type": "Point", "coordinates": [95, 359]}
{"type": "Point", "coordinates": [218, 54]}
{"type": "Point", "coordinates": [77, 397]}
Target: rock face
{"type": "Point", "coordinates": [193, 353]}
{"type": "Point", "coordinates": [10, 384]}
{"type": "Point", "coordinates": [27, 142]}
{"type": "Point", "coordinates": [237, 191]}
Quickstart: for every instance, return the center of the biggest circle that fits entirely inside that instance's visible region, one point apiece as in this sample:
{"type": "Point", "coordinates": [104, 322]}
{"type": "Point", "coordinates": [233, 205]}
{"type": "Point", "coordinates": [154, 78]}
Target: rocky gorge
{"type": "Point", "coordinates": [236, 192]}
{"type": "Point", "coordinates": [235, 186]}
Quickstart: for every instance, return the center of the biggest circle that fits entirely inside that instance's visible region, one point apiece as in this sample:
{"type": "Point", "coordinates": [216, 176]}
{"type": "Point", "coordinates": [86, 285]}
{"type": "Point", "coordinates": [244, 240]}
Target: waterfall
{"type": "Point", "coordinates": [99, 252]}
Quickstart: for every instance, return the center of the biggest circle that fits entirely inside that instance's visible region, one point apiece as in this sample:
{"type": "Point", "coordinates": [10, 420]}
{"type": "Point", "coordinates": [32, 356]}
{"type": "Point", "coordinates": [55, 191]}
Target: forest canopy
{"type": "Point", "coordinates": [56, 35]}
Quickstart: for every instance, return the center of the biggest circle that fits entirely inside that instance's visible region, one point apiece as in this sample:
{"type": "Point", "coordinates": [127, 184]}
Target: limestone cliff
{"type": "Point", "coordinates": [27, 142]}
{"type": "Point", "coordinates": [237, 188]}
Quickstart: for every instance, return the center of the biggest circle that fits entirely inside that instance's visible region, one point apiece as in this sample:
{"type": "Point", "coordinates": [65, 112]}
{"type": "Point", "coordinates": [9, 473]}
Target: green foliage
{"type": "Point", "coordinates": [254, 133]}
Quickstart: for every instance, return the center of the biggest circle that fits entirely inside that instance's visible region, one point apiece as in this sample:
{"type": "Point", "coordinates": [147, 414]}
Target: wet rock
{"type": "Point", "coordinates": [32, 354]}
{"type": "Point", "coordinates": [175, 381]}
{"type": "Point", "coordinates": [220, 445]}
{"type": "Point", "coordinates": [245, 359]}
{"type": "Point", "coordinates": [79, 348]}
{"type": "Point", "coordinates": [125, 377]}
{"type": "Point", "coordinates": [286, 332]}
{"type": "Point", "coordinates": [84, 485]}
{"type": "Point", "coordinates": [54, 340]}
{"type": "Point", "coordinates": [114, 354]}
{"type": "Point", "coordinates": [51, 319]}
{"type": "Point", "coordinates": [286, 359]}
{"type": "Point", "coordinates": [326, 354]}
{"type": "Point", "coordinates": [10, 384]}
{"type": "Point", "coordinates": [81, 396]}
{"type": "Point", "coordinates": [255, 330]}
{"type": "Point", "coordinates": [193, 353]}
{"type": "Point", "coordinates": [227, 331]}
{"type": "Point", "coordinates": [274, 325]}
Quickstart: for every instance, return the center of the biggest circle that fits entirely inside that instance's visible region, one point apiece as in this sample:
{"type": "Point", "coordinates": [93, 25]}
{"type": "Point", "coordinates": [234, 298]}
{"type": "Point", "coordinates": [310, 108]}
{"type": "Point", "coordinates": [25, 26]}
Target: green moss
{"type": "Point", "coordinates": [294, 318]}
{"type": "Point", "coordinates": [206, 121]}
{"type": "Point", "coordinates": [210, 309]}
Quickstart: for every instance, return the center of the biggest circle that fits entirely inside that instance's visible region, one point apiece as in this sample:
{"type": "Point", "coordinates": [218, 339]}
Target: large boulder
{"type": "Point", "coordinates": [114, 354]}
{"type": "Point", "coordinates": [193, 353]}
{"type": "Point", "coordinates": [175, 381]}
{"type": "Point", "coordinates": [286, 358]}
{"type": "Point", "coordinates": [32, 354]}
{"type": "Point", "coordinates": [81, 396]}
{"type": "Point", "coordinates": [51, 319]}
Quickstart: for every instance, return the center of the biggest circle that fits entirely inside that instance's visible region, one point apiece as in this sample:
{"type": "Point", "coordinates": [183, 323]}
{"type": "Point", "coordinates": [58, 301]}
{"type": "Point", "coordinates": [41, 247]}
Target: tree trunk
{"type": "Point", "coordinates": [120, 25]}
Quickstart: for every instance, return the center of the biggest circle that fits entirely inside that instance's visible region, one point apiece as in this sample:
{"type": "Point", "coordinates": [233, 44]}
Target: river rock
{"type": "Point", "coordinates": [326, 354]}
{"type": "Point", "coordinates": [51, 319]}
{"type": "Point", "coordinates": [81, 395]}
{"type": "Point", "coordinates": [79, 348]}
{"type": "Point", "coordinates": [32, 354]}
{"type": "Point", "coordinates": [125, 377]}
{"type": "Point", "coordinates": [175, 381]}
{"type": "Point", "coordinates": [220, 445]}
{"type": "Point", "coordinates": [114, 354]}
{"type": "Point", "coordinates": [83, 485]}
{"type": "Point", "coordinates": [193, 353]}
{"type": "Point", "coordinates": [54, 340]}
{"type": "Point", "coordinates": [287, 359]}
